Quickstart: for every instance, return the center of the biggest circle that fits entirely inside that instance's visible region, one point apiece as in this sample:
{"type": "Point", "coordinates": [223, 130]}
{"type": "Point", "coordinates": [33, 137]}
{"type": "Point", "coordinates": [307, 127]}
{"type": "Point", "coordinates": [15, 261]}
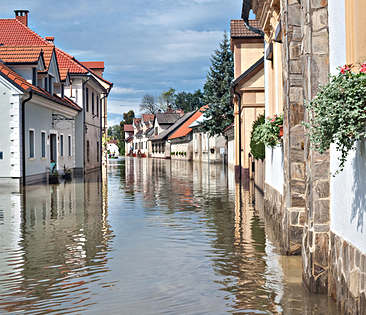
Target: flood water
{"type": "Point", "coordinates": [156, 237]}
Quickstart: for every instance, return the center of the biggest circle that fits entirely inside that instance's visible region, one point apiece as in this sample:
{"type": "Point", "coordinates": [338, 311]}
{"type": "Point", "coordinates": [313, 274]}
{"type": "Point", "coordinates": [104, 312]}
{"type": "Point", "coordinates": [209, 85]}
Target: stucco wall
{"type": "Point", "coordinates": [348, 189]}
{"type": "Point", "coordinates": [231, 153]}
{"type": "Point", "coordinates": [39, 118]}
{"type": "Point", "coordinates": [274, 168]}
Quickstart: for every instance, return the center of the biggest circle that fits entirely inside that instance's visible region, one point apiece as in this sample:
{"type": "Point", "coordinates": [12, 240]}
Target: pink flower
{"type": "Point", "coordinates": [346, 68]}
{"type": "Point", "coordinates": [273, 120]}
{"type": "Point", "coordinates": [363, 68]}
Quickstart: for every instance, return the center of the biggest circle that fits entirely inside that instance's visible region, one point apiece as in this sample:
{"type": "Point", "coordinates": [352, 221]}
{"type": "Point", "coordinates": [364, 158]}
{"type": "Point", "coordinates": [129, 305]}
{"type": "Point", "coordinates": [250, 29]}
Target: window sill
{"type": "Point", "coordinates": [32, 159]}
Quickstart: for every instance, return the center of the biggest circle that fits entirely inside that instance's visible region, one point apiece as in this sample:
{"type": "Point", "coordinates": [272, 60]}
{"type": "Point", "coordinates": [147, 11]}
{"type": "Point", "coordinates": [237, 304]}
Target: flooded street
{"type": "Point", "coordinates": [158, 237]}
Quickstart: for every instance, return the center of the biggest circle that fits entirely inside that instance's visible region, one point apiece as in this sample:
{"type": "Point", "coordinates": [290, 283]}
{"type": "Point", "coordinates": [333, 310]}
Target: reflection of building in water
{"type": "Point", "coordinates": [64, 243]}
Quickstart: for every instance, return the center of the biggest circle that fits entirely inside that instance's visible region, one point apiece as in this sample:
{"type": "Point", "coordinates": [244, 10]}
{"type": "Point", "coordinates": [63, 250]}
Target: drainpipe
{"type": "Point", "coordinates": [23, 134]}
{"type": "Point", "coordinates": [239, 105]}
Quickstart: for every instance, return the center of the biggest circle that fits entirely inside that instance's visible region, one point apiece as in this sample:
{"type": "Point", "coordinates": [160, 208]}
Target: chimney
{"type": "Point", "coordinates": [50, 39]}
{"type": "Point", "coordinates": [22, 16]}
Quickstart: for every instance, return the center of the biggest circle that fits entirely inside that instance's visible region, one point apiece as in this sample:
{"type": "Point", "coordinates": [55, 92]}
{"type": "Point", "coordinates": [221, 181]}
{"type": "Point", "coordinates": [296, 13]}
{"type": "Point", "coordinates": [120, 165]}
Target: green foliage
{"type": "Point", "coordinates": [217, 94]}
{"type": "Point", "coordinates": [268, 132]}
{"type": "Point", "coordinates": [116, 132]}
{"type": "Point", "coordinates": [166, 99]}
{"type": "Point", "coordinates": [188, 101]}
{"type": "Point", "coordinates": [338, 113]}
{"type": "Point", "coordinates": [257, 148]}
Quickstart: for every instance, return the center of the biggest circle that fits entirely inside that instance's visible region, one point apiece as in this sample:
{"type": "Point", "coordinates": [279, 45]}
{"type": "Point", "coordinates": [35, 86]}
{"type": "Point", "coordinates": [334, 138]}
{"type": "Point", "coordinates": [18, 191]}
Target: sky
{"type": "Point", "coordinates": [147, 46]}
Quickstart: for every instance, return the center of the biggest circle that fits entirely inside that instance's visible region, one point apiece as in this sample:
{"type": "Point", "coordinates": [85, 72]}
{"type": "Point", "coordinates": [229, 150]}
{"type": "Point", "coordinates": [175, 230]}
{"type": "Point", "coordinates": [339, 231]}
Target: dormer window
{"type": "Point", "coordinates": [34, 76]}
{"type": "Point", "coordinates": [46, 83]}
{"type": "Point", "coordinates": [62, 90]}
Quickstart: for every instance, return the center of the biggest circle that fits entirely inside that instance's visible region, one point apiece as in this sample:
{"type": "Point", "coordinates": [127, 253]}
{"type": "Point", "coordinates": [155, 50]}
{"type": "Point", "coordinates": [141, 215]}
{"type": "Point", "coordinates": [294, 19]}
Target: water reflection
{"type": "Point", "coordinates": [60, 245]}
{"type": "Point", "coordinates": [185, 240]}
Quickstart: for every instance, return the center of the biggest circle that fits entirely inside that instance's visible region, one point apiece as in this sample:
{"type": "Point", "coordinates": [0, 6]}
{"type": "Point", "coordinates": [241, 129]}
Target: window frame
{"type": "Point", "coordinates": [32, 151]}
{"type": "Point", "coordinates": [69, 145]}
{"type": "Point", "coordinates": [61, 145]}
{"type": "Point", "coordinates": [87, 99]}
{"type": "Point", "coordinates": [43, 145]}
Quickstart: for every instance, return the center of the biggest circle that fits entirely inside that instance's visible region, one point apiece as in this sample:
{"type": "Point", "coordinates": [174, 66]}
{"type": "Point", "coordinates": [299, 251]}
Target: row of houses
{"type": "Point", "coordinates": [281, 59]}
{"type": "Point", "coordinates": [174, 135]}
{"type": "Point", "coordinates": [54, 107]}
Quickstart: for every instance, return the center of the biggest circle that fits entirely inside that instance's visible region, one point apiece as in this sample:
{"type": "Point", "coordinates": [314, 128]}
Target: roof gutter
{"type": "Point", "coordinates": [247, 6]}
{"type": "Point", "coordinates": [23, 135]}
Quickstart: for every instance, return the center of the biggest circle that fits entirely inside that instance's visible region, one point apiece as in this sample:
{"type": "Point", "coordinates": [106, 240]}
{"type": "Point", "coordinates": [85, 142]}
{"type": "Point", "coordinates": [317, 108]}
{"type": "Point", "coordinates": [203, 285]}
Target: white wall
{"type": "Point", "coordinates": [348, 189]}
{"type": "Point", "coordinates": [274, 173]}
{"type": "Point", "coordinates": [274, 168]}
{"type": "Point", "coordinates": [231, 153]}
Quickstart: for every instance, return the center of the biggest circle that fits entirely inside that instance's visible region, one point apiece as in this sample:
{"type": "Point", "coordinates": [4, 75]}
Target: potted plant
{"type": "Point", "coordinates": [268, 132]}
{"type": "Point", "coordinates": [337, 113]}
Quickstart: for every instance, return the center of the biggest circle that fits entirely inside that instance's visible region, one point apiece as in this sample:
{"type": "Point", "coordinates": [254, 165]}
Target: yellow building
{"type": "Point", "coordinates": [247, 45]}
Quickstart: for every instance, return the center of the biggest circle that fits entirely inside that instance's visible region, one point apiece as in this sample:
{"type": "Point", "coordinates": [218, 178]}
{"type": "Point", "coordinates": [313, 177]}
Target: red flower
{"type": "Point", "coordinates": [346, 68]}
{"type": "Point", "coordinates": [363, 68]}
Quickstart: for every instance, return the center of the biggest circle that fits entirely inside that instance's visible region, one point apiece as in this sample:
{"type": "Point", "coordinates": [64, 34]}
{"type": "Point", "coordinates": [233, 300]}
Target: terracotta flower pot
{"type": "Point", "coordinates": [281, 132]}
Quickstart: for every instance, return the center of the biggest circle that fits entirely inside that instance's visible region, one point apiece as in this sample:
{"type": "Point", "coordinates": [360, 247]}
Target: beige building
{"type": "Point", "coordinates": [248, 49]}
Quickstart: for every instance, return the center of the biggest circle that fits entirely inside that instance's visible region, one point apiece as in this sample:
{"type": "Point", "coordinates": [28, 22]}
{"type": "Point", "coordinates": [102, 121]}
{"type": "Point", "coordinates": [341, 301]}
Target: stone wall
{"type": "Point", "coordinates": [293, 141]}
{"type": "Point", "coordinates": [347, 276]}
{"type": "Point", "coordinates": [315, 61]}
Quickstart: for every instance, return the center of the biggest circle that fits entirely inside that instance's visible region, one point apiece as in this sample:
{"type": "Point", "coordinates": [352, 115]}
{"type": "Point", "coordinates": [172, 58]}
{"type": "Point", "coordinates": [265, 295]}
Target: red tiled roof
{"type": "Point", "coordinates": [137, 120]}
{"type": "Point", "coordinates": [128, 128]}
{"type": "Point", "coordinates": [26, 54]}
{"type": "Point", "coordinates": [184, 129]}
{"type": "Point", "coordinates": [24, 85]}
{"type": "Point", "coordinates": [148, 117]}
{"type": "Point", "coordinates": [239, 30]}
{"type": "Point", "coordinates": [93, 64]}
{"type": "Point", "coordinates": [13, 32]}
{"type": "Point", "coordinates": [66, 61]}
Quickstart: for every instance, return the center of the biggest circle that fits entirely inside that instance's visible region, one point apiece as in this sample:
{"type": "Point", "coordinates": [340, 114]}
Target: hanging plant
{"type": "Point", "coordinates": [257, 148]}
{"type": "Point", "coordinates": [268, 132]}
{"type": "Point", "coordinates": [338, 113]}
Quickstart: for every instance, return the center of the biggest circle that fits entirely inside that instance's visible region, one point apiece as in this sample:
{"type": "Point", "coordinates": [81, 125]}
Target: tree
{"type": "Point", "coordinates": [128, 117]}
{"type": "Point", "coordinates": [148, 104]}
{"type": "Point", "coordinates": [217, 92]}
{"type": "Point", "coordinates": [166, 99]}
{"type": "Point", "coordinates": [188, 101]}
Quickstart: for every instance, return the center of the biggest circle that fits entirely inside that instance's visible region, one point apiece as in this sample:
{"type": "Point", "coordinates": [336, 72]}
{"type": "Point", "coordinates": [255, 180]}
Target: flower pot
{"type": "Point", "coordinates": [281, 132]}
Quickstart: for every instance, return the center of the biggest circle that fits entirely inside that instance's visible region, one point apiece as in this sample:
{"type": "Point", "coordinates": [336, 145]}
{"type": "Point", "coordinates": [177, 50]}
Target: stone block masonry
{"type": "Point", "coordinates": [347, 276]}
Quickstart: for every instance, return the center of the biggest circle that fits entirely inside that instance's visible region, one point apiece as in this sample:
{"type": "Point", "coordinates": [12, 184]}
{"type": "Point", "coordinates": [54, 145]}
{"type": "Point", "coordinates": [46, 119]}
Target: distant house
{"type": "Point", "coordinates": [206, 148]}
{"type": "Point", "coordinates": [162, 122]}
{"type": "Point", "coordinates": [112, 148]}
{"type": "Point", "coordinates": [137, 135]}
{"type": "Point", "coordinates": [181, 141]}
{"type": "Point", "coordinates": [128, 129]}
{"type": "Point", "coordinates": [147, 122]}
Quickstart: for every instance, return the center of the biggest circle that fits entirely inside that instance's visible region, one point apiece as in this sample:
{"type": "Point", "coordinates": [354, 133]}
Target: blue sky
{"type": "Point", "coordinates": [147, 46]}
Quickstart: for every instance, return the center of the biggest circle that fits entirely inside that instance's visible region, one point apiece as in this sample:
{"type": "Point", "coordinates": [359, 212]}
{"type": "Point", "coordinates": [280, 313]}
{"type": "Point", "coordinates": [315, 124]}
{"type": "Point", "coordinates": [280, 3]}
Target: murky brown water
{"type": "Point", "coordinates": [158, 237]}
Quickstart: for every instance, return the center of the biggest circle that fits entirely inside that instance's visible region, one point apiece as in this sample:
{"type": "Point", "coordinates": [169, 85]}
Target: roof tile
{"type": "Point", "coordinates": [239, 30]}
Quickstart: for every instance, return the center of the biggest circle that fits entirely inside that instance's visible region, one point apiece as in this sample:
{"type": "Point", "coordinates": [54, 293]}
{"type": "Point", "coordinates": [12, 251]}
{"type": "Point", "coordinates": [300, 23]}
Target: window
{"type": "Point", "coordinates": [61, 145]}
{"type": "Point", "coordinates": [156, 130]}
{"type": "Point", "coordinates": [97, 151]}
{"type": "Point", "coordinates": [34, 76]}
{"type": "Point", "coordinates": [92, 103]}
{"type": "Point", "coordinates": [97, 99]}
{"type": "Point", "coordinates": [87, 99]}
{"type": "Point", "coordinates": [31, 143]}
{"type": "Point", "coordinates": [87, 151]}
{"type": "Point", "coordinates": [1, 155]}
{"type": "Point", "coordinates": [69, 143]}
{"type": "Point", "coordinates": [62, 91]}
{"type": "Point", "coordinates": [43, 144]}
{"type": "Point", "coordinates": [46, 83]}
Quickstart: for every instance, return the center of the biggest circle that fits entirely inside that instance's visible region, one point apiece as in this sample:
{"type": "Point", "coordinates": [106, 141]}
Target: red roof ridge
{"type": "Point", "coordinates": [184, 129]}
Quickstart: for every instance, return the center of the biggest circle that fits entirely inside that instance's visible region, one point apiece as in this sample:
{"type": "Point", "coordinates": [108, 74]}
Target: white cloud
{"type": "Point", "coordinates": [121, 90]}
